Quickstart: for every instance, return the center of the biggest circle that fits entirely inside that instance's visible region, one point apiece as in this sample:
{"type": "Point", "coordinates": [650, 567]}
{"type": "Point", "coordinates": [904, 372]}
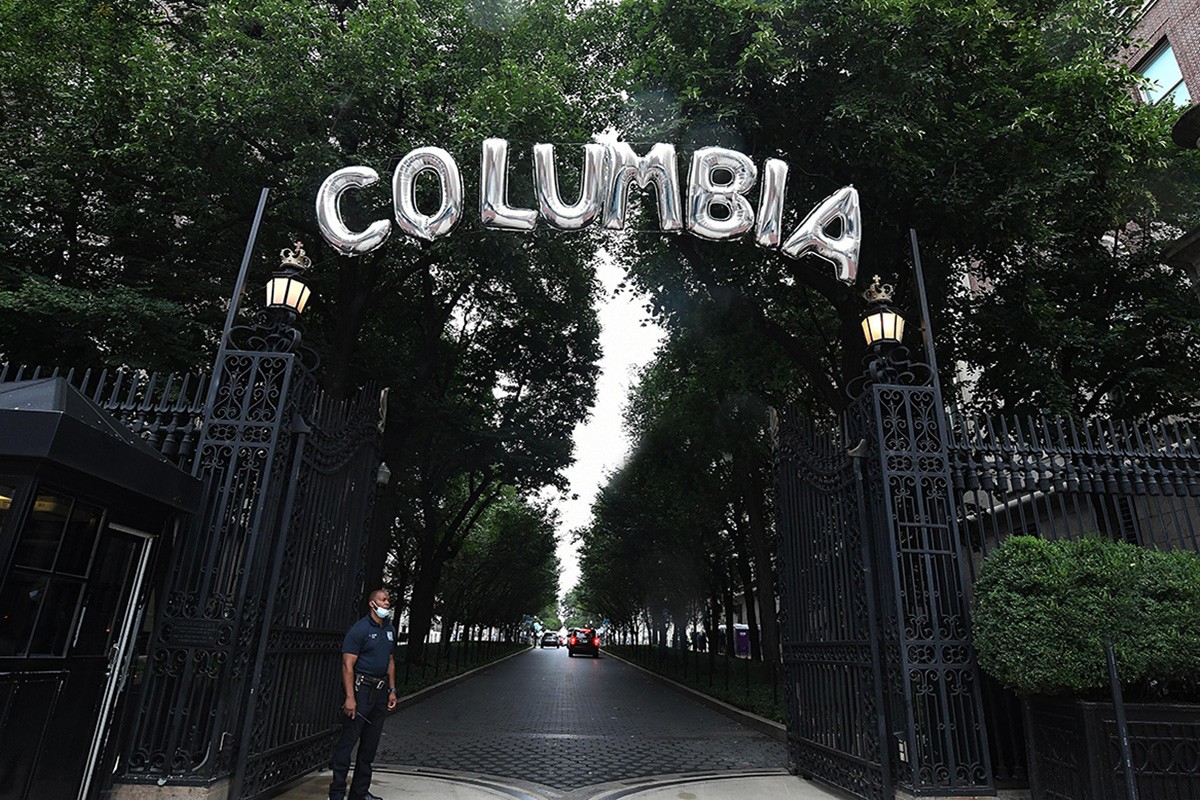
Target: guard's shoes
{"type": "Point", "coordinates": [369, 796]}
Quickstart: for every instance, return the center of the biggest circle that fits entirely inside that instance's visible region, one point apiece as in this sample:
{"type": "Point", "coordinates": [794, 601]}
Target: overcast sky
{"type": "Point", "coordinates": [600, 442]}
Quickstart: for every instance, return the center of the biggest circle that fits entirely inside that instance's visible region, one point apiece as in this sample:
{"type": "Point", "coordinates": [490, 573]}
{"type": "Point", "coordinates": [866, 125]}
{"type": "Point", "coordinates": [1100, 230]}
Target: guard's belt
{"type": "Point", "coordinates": [373, 681]}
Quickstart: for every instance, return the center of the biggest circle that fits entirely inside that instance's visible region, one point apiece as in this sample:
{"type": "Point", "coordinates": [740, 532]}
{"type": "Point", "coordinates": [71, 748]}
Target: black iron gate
{"type": "Point", "coordinates": [884, 690]}
{"type": "Point", "coordinates": [317, 574]}
{"type": "Point", "coordinates": [836, 720]}
{"type": "Point", "coordinates": [264, 582]}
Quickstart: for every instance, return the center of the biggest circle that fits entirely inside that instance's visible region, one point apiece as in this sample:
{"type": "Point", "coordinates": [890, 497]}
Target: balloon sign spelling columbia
{"type": "Point", "coordinates": [719, 178]}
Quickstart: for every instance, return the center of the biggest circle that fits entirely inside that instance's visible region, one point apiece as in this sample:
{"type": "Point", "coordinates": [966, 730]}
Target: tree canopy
{"type": "Point", "coordinates": [1007, 134]}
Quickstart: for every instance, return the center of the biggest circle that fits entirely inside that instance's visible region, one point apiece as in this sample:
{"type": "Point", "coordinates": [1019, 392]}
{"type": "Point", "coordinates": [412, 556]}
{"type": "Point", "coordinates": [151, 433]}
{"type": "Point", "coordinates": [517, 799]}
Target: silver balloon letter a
{"type": "Point", "coordinates": [329, 213]}
{"type": "Point", "coordinates": [811, 236]}
{"type": "Point", "coordinates": [427, 227]}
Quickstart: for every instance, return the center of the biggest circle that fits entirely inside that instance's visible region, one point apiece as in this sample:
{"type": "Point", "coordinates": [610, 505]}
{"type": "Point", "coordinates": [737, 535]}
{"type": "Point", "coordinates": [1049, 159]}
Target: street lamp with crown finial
{"type": "Point", "coordinates": [285, 290]}
{"type": "Point", "coordinates": [881, 323]}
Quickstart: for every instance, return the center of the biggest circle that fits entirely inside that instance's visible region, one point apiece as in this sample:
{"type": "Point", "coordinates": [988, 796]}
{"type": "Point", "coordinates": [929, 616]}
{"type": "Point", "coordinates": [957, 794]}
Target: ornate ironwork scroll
{"type": "Point", "coordinates": [931, 679]}
{"type": "Point", "coordinates": [831, 657]}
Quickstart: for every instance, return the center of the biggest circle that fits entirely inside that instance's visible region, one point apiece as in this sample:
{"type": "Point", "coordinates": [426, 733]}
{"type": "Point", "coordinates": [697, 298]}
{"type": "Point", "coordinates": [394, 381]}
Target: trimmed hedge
{"type": "Point", "coordinates": [1043, 611]}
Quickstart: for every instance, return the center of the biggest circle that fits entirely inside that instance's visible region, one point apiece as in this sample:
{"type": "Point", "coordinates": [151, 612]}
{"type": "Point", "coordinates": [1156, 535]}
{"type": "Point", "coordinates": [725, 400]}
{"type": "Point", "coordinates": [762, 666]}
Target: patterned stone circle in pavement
{"type": "Point", "coordinates": [567, 723]}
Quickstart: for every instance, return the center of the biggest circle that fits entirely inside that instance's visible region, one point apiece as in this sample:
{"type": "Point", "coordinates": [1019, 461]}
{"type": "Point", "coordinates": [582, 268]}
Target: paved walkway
{"type": "Point", "coordinates": [542, 726]}
{"type": "Point", "coordinates": [417, 784]}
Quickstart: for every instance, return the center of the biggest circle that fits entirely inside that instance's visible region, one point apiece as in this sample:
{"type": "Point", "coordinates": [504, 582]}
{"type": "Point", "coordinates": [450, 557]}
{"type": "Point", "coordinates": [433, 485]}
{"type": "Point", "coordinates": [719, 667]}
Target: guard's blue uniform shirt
{"type": "Point", "coordinates": [372, 643]}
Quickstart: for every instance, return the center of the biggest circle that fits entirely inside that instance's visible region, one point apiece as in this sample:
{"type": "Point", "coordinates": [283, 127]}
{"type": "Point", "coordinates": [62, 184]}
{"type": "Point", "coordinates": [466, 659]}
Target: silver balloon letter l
{"type": "Point", "coordinates": [493, 191]}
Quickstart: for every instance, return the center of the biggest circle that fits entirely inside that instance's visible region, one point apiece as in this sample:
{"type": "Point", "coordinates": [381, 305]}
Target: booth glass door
{"type": "Point", "coordinates": [67, 602]}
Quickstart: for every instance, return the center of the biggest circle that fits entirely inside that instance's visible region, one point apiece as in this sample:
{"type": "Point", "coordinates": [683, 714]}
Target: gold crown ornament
{"type": "Point", "coordinates": [295, 258]}
{"type": "Point", "coordinates": [878, 292]}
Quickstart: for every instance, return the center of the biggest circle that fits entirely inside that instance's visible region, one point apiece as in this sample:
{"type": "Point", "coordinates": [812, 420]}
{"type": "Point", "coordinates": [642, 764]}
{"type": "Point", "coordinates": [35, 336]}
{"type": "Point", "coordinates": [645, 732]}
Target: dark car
{"type": "Point", "coordinates": [550, 639]}
{"type": "Point", "coordinates": [583, 640]}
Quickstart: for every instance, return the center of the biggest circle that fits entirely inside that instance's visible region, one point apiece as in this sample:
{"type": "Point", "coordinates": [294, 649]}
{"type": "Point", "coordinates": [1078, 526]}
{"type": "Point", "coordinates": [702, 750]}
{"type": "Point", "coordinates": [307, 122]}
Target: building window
{"type": "Point", "coordinates": [1166, 80]}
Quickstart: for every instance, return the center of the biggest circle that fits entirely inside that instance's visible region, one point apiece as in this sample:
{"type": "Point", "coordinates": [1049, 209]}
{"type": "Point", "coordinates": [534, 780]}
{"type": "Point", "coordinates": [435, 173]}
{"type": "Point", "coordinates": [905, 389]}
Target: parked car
{"type": "Point", "coordinates": [550, 639]}
{"type": "Point", "coordinates": [583, 640]}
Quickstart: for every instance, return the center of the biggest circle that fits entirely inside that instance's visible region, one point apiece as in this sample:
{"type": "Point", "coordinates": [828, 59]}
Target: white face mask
{"type": "Point", "coordinates": [382, 613]}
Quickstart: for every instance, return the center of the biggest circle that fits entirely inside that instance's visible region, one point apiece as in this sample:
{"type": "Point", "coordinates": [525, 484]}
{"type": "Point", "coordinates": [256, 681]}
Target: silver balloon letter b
{"type": "Point", "coordinates": [811, 236]}
{"type": "Point", "coordinates": [329, 214]}
{"type": "Point", "coordinates": [704, 193]}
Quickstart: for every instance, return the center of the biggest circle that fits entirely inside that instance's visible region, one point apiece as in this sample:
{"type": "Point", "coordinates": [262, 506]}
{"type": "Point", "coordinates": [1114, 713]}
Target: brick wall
{"type": "Point", "coordinates": [1179, 22]}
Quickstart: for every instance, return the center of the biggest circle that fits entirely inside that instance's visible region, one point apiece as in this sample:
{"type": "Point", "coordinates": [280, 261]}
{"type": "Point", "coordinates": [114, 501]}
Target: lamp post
{"type": "Point", "coordinates": [287, 295]}
{"type": "Point", "coordinates": [286, 290]}
{"type": "Point", "coordinates": [881, 323]}
{"type": "Point", "coordinates": [887, 359]}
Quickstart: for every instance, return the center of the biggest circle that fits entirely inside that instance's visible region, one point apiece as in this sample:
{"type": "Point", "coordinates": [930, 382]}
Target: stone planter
{"type": "Point", "coordinates": [1074, 752]}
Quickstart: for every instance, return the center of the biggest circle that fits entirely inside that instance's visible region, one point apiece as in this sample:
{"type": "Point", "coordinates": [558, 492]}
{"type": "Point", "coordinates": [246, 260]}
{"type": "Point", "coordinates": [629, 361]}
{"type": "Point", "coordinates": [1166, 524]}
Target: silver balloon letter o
{"type": "Point", "coordinates": [412, 222]}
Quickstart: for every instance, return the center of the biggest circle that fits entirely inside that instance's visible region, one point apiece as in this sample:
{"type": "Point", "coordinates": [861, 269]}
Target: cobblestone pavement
{"type": "Point", "coordinates": [567, 723]}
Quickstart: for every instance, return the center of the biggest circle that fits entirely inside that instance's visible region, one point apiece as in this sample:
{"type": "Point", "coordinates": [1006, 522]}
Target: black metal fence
{"type": "Point", "coordinates": [885, 519]}
{"type": "Point", "coordinates": [260, 587]}
{"type": "Point", "coordinates": [1060, 478]}
{"type": "Point", "coordinates": [165, 410]}
{"type": "Point", "coordinates": [741, 681]}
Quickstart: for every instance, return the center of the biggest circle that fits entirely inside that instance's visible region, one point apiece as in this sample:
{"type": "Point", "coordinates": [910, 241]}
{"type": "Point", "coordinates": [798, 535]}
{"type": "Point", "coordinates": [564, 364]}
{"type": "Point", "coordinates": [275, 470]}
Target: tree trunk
{"type": "Point", "coordinates": [761, 548]}
{"type": "Point", "coordinates": [420, 613]}
{"type": "Point", "coordinates": [747, 576]}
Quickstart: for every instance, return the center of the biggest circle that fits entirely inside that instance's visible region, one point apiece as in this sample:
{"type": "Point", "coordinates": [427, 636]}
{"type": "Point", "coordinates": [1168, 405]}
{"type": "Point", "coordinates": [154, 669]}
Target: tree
{"type": "Point", "coordinates": [507, 566]}
{"type": "Point", "coordinates": [576, 613]}
{"type": "Point", "coordinates": [166, 121]}
{"type": "Point", "coordinates": [1007, 134]}
{"type": "Point", "coordinates": [695, 490]}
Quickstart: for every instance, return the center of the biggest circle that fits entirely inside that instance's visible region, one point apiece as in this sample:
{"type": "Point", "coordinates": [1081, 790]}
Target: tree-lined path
{"type": "Point", "coordinates": [570, 722]}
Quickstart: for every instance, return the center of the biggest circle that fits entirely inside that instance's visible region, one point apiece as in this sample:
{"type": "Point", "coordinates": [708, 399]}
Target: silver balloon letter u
{"type": "Point", "coordinates": [591, 187]}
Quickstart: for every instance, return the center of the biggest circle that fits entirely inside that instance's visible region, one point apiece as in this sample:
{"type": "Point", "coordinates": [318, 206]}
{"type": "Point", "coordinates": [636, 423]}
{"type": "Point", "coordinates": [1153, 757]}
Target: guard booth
{"type": "Point", "coordinates": [85, 506]}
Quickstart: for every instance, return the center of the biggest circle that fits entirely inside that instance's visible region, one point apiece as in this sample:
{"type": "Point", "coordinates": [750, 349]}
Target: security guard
{"type": "Point", "coordinates": [369, 678]}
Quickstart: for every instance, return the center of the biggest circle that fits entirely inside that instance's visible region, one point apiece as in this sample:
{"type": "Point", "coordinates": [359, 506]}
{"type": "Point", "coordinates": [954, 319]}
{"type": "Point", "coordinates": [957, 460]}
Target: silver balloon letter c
{"type": "Point", "coordinates": [329, 214]}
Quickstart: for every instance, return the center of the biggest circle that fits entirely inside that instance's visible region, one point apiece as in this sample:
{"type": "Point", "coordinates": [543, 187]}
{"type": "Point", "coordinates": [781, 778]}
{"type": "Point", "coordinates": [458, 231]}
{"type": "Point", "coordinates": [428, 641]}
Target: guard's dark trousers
{"type": "Point", "coordinates": [365, 730]}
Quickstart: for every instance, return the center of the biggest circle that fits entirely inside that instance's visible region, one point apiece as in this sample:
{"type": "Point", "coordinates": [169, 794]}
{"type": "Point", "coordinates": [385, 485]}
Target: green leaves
{"type": "Point", "coordinates": [1004, 132]}
{"type": "Point", "coordinates": [1044, 610]}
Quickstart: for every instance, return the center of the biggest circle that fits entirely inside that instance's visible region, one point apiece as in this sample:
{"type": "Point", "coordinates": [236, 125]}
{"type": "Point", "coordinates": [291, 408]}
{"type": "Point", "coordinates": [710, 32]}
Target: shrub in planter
{"type": "Point", "coordinates": [1043, 611]}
